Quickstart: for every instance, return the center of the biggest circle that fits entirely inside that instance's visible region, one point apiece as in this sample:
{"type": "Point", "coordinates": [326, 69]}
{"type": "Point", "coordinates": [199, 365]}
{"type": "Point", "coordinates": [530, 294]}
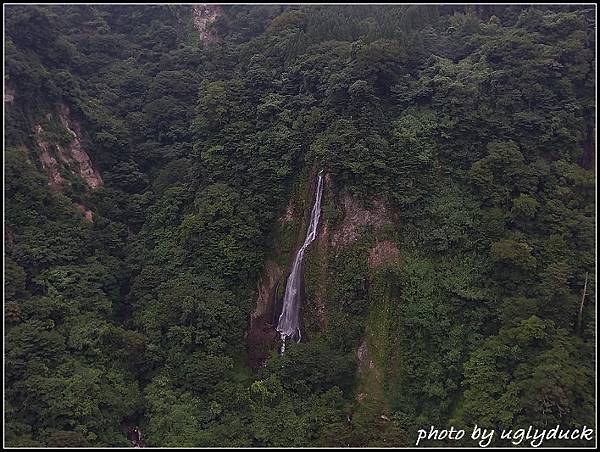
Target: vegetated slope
{"type": "Point", "coordinates": [458, 133]}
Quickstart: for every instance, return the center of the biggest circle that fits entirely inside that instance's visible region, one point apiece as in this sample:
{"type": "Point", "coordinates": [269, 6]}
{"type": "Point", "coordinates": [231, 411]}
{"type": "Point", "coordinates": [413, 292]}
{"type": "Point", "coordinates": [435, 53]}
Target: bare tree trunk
{"type": "Point", "coordinates": [580, 314]}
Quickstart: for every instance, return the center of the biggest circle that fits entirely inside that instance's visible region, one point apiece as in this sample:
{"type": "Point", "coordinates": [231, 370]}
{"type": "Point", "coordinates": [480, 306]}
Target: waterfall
{"type": "Point", "coordinates": [289, 320]}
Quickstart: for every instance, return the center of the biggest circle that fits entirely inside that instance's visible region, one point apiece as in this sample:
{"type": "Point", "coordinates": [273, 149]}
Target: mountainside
{"type": "Point", "coordinates": [161, 165]}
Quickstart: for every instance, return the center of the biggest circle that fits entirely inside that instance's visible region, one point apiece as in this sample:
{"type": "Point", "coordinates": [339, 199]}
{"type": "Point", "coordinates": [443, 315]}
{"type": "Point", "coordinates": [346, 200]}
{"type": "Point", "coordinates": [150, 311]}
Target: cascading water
{"type": "Point", "coordinates": [289, 320]}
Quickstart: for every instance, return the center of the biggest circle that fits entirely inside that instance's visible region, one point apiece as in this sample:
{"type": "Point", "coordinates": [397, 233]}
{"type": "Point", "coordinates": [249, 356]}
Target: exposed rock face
{"type": "Point", "coordinates": [203, 16]}
{"type": "Point", "coordinates": [383, 252]}
{"type": "Point", "coordinates": [87, 213]}
{"type": "Point", "coordinates": [364, 358]}
{"type": "Point", "coordinates": [76, 150]}
{"type": "Point", "coordinates": [134, 435]}
{"type": "Point", "coordinates": [357, 217]}
{"type": "Point", "coordinates": [74, 157]}
{"type": "Point", "coordinates": [261, 332]}
{"type": "Point", "coordinates": [261, 335]}
{"type": "Point", "coordinates": [49, 163]}
{"type": "Point", "coordinates": [9, 95]}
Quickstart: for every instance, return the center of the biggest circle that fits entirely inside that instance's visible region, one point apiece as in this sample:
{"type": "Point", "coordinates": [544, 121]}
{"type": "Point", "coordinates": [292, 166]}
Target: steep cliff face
{"type": "Point", "coordinates": [87, 213]}
{"type": "Point", "coordinates": [47, 159]}
{"type": "Point", "coordinates": [60, 153]}
{"type": "Point", "coordinates": [336, 234]}
{"type": "Point", "coordinates": [363, 227]}
{"type": "Point", "coordinates": [76, 156]}
{"type": "Point", "coordinates": [261, 334]}
{"type": "Point", "coordinates": [356, 217]}
{"type": "Point", "coordinates": [289, 233]}
{"type": "Point", "coordinates": [203, 16]}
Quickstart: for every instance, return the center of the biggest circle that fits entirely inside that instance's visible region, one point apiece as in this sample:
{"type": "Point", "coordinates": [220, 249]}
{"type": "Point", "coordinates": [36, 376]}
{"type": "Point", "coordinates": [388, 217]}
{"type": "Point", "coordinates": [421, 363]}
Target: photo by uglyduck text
{"type": "Point", "coordinates": [530, 436]}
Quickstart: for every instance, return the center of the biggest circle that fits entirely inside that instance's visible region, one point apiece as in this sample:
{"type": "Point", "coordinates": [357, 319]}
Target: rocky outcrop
{"type": "Point", "coordinates": [261, 333]}
{"type": "Point", "coordinates": [73, 157]}
{"type": "Point", "coordinates": [49, 163]}
{"type": "Point", "coordinates": [76, 152]}
{"type": "Point", "coordinates": [87, 213]}
{"type": "Point", "coordinates": [203, 16]}
{"type": "Point", "coordinates": [357, 217]}
{"type": "Point", "coordinates": [9, 95]}
{"type": "Point", "coordinates": [364, 358]}
{"type": "Point", "coordinates": [134, 435]}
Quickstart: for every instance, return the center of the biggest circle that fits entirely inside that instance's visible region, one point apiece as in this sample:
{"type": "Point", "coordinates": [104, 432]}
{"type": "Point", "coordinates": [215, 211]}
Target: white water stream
{"type": "Point", "coordinates": [289, 320]}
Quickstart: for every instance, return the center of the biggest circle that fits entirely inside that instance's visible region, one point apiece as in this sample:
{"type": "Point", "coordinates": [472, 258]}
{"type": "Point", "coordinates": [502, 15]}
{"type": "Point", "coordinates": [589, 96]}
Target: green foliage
{"type": "Point", "coordinates": [509, 378]}
{"type": "Point", "coordinates": [468, 121]}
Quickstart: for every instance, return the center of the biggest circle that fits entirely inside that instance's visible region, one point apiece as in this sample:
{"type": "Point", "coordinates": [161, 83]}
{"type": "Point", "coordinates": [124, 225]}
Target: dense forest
{"type": "Point", "coordinates": [159, 169]}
